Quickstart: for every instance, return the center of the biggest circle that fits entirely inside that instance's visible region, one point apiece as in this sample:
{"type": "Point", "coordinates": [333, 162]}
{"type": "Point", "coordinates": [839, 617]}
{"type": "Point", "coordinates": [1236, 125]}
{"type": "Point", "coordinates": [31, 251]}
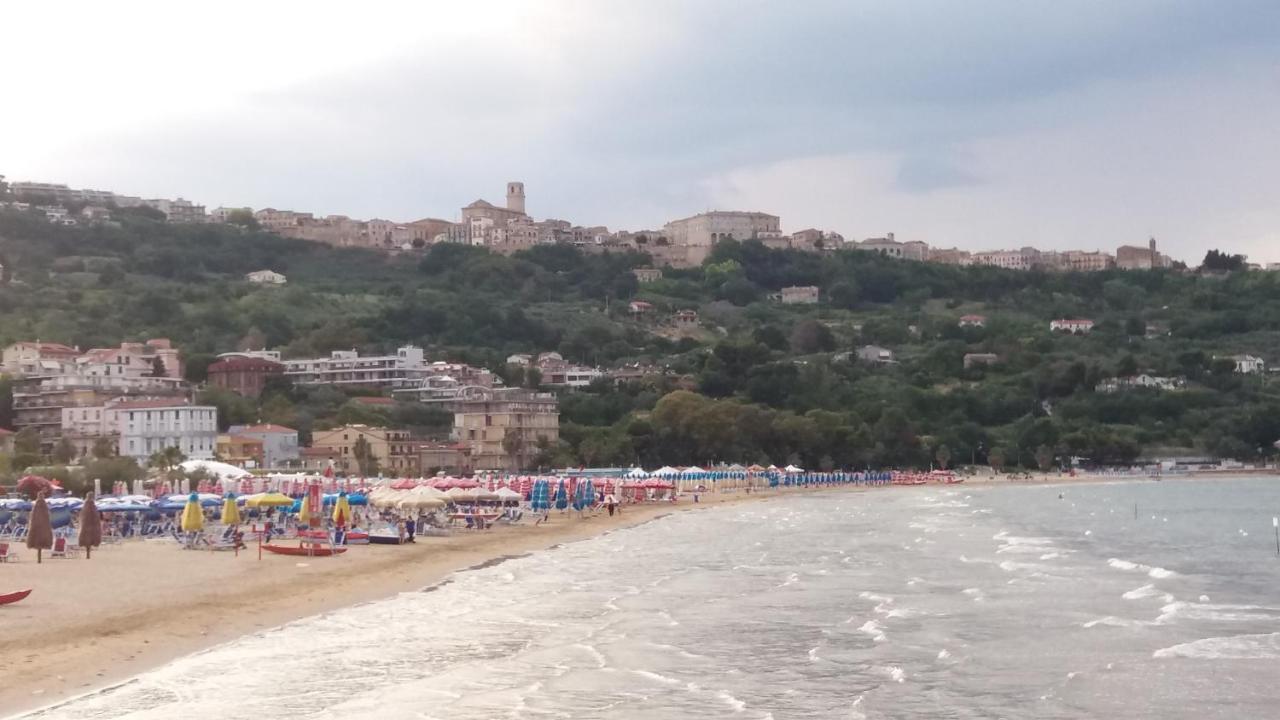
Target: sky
{"type": "Point", "coordinates": [979, 124]}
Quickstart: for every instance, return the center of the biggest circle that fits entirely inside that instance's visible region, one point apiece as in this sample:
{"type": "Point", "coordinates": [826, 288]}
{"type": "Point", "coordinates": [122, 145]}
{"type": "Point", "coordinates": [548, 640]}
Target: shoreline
{"type": "Point", "coordinates": [96, 624]}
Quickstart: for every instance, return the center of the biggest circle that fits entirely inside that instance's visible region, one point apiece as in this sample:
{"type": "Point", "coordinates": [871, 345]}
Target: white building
{"type": "Point", "coordinates": [265, 277]}
{"type": "Point", "coordinates": [1248, 364]}
{"type": "Point", "coordinates": [1075, 327]}
{"type": "Point", "coordinates": [406, 368]}
{"type": "Point", "coordinates": [876, 354]}
{"type": "Point", "coordinates": [1152, 382]}
{"type": "Point", "coordinates": [145, 426]}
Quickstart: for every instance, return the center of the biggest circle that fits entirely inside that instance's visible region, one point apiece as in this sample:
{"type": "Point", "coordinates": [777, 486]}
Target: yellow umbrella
{"type": "Point", "coordinates": [230, 511]}
{"type": "Point", "coordinates": [274, 499]}
{"type": "Point", "coordinates": [193, 515]}
{"type": "Point", "coordinates": [342, 511]}
{"type": "Point", "coordinates": [304, 512]}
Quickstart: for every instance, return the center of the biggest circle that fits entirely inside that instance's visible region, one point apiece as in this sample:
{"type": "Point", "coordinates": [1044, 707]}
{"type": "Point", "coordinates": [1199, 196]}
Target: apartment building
{"type": "Point", "coordinates": [279, 443]}
{"type": "Point", "coordinates": [146, 426]}
{"type": "Point", "coordinates": [407, 367]}
{"type": "Point", "coordinates": [486, 423]}
{"type": "Point", "coordinates": [245, 376]}
{"type": "Point", "coordinates": [394, 451]}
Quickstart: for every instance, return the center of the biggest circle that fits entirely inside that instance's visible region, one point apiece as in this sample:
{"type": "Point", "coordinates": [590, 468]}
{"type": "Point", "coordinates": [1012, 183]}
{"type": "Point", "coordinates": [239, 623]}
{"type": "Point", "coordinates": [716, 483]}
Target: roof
{"type": "Point", "coordinates": [56, 348]}
{"type": "Point", "coordinates": [4, 432]}
{"type": "Point", "coordinates": [973, 317]}
{"type": "Point", "coordinates": [245, 363]}
{"type": "Point", "coordinates": [155, 403]}
{"type": "Point", "coordinates": [481, 203]}
{"type": "Point", "coordinates": [264, 428]}
{"type": "Point", "coordinates": [241, 439]}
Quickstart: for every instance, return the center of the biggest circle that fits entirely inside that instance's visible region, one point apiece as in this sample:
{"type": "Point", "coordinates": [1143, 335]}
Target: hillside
{"type": "Point", "coordinates": [773, 382]}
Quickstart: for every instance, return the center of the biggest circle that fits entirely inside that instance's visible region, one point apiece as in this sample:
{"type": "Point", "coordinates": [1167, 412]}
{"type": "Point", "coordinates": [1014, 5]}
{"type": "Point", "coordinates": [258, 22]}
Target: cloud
{"type": "Point", "coordinates": [983, 123]}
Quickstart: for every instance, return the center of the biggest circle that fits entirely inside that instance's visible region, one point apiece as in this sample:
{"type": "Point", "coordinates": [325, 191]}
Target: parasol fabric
{"type": "Point", "coordinates": [230, 510]}
{"type": "Point", "coordinates": [39, 528]}
{"type": "Point", "coordinates": [192, 515]}
{"type": "Point", "coordinates": [90, 527]}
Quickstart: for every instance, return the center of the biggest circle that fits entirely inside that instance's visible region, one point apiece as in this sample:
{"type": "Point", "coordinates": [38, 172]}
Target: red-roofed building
{"type": "Point", "coordinates": [245, 376]}
{"type": "Point", "coordinates": [38, 358]}
{"type": "Point", "coordinates": [973, 321]}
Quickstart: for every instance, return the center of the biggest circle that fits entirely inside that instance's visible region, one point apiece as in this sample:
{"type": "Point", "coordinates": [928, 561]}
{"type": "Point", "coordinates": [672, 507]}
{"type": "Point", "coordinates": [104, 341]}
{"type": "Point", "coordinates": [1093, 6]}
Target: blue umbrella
{"type": "Point", "coordinates": [540, 500]}
{"type": "Point", "coordinates": [123, 507]}
{"type": "Point", "coordinates": [562, 497]}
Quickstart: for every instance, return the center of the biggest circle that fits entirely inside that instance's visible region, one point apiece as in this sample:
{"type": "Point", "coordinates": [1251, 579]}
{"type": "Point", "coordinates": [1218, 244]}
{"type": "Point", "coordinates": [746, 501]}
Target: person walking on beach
{"type": "Point", "coordinates": [610, 504]}
{"type": "Point", "coordinates": [409, 527]}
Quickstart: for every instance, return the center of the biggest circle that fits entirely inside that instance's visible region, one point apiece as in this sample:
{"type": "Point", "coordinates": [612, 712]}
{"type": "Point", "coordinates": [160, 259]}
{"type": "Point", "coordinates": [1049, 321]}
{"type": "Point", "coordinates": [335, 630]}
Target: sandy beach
{"type": "Point", "coordinates": [133, 607]}
{"type": "Point", "coordinates": [90, 624]}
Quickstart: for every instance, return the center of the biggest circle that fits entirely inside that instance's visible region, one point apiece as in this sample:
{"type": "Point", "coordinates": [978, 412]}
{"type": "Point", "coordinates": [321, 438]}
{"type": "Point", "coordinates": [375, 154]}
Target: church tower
{"type": "Point", "coordinates": [515, 196]}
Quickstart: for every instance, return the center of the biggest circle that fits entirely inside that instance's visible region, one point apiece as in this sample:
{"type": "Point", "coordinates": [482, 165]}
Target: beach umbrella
{"type": "Point", "coordinates": [342, 511]}
{"type": "Point", "coordinates": [33, 485]}
{"type": "Point", "coordinates": [90, 527]}
{"type": "Point", "coordinates": [230, 510]}
{"type": "Point", "coordinates": [304, 511]}
{"type": "Point", "coordinates": [273, 499]}
{"type": "Point", "coordinates": [562, 496]}
{"type": "Point", "coordinates": [192, 515]}
{"type": "Point", "coordinates": [39, 528]}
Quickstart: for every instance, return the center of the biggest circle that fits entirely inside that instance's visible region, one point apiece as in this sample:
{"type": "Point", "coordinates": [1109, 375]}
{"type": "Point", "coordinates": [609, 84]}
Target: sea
{"type": "Point", "coordinates": [1131, 599]}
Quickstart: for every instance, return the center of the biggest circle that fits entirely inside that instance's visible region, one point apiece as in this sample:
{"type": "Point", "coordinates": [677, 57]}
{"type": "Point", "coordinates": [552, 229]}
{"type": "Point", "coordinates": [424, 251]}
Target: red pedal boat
{"type": "Point", "coordinates": [14, 597]}
{"type": "Point", "coordinates": [304, 551]}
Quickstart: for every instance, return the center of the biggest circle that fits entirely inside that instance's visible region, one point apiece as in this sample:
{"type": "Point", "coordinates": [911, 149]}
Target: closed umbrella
{"type": "Point", "coordinates": [540, 500]}
{"type": "Point", "coordinates": [562, 497]}
{"type": "Point", "coordinates": [39, 528]}
{"type": "Point", "coordinates": [230, 510]}
{"type": "Point", "coordinates": [192, 515]}
{"type": "Point", "coordinates": [90, 527]}
{"type": "Point", "coordinates": [304, 511]}
{"type": "Point", "coordinates": [342, 511]}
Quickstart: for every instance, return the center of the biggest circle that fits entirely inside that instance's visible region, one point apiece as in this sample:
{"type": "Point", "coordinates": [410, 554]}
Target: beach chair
{"type": "Point", "coordinates": [7, 554]}
{"type": "Point", "coordinates": [59, 548]}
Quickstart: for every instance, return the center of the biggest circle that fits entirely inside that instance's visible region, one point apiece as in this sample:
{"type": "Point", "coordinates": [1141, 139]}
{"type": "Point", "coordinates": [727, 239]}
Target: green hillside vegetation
{"type": "Point", "coordinates": [773, 382]}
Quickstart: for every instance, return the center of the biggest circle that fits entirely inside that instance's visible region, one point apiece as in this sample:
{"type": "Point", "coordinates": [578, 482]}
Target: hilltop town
{"type": "Point", "coordinates": [508, 228]}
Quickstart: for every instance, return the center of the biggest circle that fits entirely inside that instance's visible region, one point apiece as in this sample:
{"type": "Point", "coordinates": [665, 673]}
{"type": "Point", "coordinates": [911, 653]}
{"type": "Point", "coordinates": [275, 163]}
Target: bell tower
{"type": "Point", "coordinates": [515, 196]}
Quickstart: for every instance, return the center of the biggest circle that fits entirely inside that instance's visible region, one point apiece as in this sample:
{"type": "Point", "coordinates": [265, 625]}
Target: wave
{"type": "Point", "coordinates": [1113, 621]}
{"type": "Point", "coordinates": [1217, 613]}
{"type": "Point", "coordinates": [872, 628]}
{"type": "Point", "coordinates": [1139, 593]}
{"type": "Point", "coordinates": [1236, 647]}
{"type": "Point", "coordinates": [1158, 573]}
{"type": "Point", "coordinates": [894, 672]}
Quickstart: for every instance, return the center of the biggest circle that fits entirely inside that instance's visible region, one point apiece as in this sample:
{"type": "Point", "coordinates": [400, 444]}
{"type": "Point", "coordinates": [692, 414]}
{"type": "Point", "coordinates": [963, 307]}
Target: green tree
{"type": "Point", "coordinates": [513, 445]}
{"type": "Point", "coordinates": [366, 461]}
{"type": "Point", "coordinates": [996, 458]}
{"type": "Point", "coordinates": [64, 452]}
{"type": "Point", "coordinates": [103, 449]}
{"type": "Point", "coordinates": [26, 448]}
{"type": "Point", "coordinates": [1044, 457]}
{"type": "Point", "coordinates": [244, 218]}
{"type": "Point", "coordinates": [166, 459]}
{"type": "Point", "coordinates": [811, 336]}
{"type": "Point", "coordinates": [943, 456]}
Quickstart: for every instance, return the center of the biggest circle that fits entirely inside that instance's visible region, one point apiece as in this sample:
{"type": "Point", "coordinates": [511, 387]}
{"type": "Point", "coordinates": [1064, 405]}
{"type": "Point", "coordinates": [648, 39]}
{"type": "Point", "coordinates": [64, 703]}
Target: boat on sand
{"type": "Point", "coordinates": [13, 597]}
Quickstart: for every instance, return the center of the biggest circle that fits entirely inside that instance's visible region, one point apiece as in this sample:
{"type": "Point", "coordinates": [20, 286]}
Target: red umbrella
{"type": "Point", "coordinates": [33, 485]}
{"type": "Point", "coordinates": [405, 484]}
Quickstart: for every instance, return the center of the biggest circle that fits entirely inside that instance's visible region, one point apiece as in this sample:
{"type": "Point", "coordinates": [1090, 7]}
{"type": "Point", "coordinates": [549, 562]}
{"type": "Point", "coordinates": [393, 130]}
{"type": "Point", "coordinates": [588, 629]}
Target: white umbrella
{"type": "Point", "coordinates": [219, 470]}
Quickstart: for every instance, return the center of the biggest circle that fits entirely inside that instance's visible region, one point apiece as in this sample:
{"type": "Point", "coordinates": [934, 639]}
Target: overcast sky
{"type": "Point", "coordinates": [1080, 124]}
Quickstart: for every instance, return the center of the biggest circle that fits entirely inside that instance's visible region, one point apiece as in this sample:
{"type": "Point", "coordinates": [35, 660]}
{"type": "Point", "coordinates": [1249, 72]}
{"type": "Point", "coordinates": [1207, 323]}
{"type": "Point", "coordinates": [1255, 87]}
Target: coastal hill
{"type": "Point", "coordinates": [897, 364]}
